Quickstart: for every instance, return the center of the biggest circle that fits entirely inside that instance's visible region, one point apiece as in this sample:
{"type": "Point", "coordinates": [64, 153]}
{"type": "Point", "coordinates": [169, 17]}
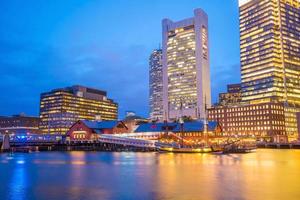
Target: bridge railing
{"type": "Point", "coordinates": [126, 141]}
{"type": "Point", "coordinates": [36, 138]}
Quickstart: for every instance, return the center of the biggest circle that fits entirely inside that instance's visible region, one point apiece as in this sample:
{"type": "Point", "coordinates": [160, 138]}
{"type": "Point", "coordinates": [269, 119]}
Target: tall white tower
{"type": "Point", "coordinates": [186, 73]}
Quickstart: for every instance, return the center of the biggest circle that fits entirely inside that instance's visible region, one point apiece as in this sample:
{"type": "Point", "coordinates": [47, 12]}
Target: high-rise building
{"type": "Point", "coordinates": [61, 108]}
{"type": "Point", "coordinates": [270, 55]}
{"type": "Point", "coordinates": [232, 96]}
{"type": "Point", "coordinates": [156, 85]}
{"type": "Point", "coordinates": [270, 51]}
{"type": "Point", "coordinates": [186, 73]}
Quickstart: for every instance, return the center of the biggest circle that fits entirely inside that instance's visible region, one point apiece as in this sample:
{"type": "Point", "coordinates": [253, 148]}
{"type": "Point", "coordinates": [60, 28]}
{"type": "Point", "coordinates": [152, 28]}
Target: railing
{"type": "Point", "coordinates": [35, 138]}
{"type": "Point", "coordinates": [126, 141]}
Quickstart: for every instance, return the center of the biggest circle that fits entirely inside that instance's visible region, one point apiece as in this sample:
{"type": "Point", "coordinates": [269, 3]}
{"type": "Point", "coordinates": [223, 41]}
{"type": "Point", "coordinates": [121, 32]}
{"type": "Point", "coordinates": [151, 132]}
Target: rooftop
{"type": "Point", "coordinates": [175, 127]}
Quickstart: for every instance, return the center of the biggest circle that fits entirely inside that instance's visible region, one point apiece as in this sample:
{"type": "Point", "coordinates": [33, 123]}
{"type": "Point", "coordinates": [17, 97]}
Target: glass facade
{"type": "Point", "coordinates": [61, 108]}
{"type": "Point", "coordinates": [270, 51]}
{"type": "Point", "coordinates": [233, 95]}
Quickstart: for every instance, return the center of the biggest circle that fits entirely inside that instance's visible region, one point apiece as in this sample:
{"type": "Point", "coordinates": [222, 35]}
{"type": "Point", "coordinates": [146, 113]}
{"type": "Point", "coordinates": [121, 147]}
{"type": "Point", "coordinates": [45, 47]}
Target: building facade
{"type": "Point", "coordinates": [186, 73]}
{"type": "Point", "coordinates": [86, 130]}
{"type": "Point", "coordinates": [232, 96]}
{"type": "Point", "coordinates": [270, 56]}
{"type": "Point", "coordinates": [190, 133]}
{"type": "Point", "coordinates": [270, 51]}
{"type": "Point", "coordinates": [61, 108]}
{"type": "Point", "coordinates": [156, 85]}
{"type": "Point", "coordinates": [262, 120]}
{"type": "Point", "coordinates": [19, 124]}
{"type": "Point", "coordinates": [298, 124]}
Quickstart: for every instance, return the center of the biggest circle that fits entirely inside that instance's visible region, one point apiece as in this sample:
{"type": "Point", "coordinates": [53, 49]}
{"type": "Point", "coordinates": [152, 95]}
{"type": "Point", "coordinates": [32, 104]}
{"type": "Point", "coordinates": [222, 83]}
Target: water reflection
{"type": "Point", "coordinates": [267, 174]}
{"type": "Point", "coordinates": [18, 184]}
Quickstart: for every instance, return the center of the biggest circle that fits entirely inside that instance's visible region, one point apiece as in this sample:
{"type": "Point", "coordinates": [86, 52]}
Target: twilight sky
{"type": "Point", "coordinates": [103, 44]}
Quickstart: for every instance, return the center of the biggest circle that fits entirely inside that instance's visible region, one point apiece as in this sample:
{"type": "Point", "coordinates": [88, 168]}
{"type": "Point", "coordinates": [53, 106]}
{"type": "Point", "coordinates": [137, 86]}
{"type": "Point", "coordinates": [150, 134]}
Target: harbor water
{"type": "Point", "coordinates": [268, 174]}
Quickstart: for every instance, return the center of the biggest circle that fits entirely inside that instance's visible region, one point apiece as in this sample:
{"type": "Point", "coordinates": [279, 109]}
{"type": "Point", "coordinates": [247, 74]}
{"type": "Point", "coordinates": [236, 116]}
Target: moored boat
{"type": "Point", "coordinates": [236, 148]}
{"type": "Point", "coordinates": [185, 150]}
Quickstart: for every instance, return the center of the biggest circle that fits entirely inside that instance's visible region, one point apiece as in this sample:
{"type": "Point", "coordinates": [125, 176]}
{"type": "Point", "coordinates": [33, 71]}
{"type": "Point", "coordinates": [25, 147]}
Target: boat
{"type": "Point", "coordinates": [177, 148]}
{"type": "Point", "coordinates": [185, 150]}
{"type": "Point", "coordinates": [235, 147]}
{"type": "Point", "coordinates": [238, 149]}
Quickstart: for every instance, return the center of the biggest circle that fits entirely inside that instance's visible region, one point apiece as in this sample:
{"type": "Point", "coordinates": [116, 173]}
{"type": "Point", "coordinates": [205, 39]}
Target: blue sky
{"type": "Point", "coordinates": [103, 44]}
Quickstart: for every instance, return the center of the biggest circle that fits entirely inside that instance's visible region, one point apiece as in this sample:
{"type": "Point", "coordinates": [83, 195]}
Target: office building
{"type": "Point", "coordinates": [232, 96]}
{"type": "Point", "coordinates": [156, 85]}
{"type": "Point", "coordinates": [270, 56]}
{"type": "Point", "coordinates": [265, 121]}
{"type": "Point", "coordinates": [61, 108]}
{"type": "Point", "coordinates": [270, 51]}
{"type": "Point", "coordinates": [186, 73]}
{"type": "Point", "coordinates": [19, 124]}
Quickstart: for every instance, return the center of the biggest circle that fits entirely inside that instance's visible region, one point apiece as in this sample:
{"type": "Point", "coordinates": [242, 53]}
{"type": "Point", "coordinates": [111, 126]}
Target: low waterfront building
{"type": "Point", "coordinates": [61, 108]}
{"type": "Point", "coordinates": [267, 121]}
{"type": "Point", "coordinates": [86, 130]}
{"type": "Point", "coordinates": [19, 124]}
{"type": "Point", "coordinates": [193, 132]}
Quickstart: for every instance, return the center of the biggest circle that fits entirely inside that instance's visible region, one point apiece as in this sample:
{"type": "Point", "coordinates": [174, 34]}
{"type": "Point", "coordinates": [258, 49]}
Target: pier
{"type": "Point", "coordinates": [58, 143]}
{"type": "Point", "coordinates": [279, 145]}
{"type": "Point", "coordinates": [106, 142]}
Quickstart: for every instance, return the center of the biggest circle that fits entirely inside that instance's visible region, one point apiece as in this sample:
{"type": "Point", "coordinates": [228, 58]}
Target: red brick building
{"type": "Point", "coordinates": [265, 120]}
{"type": "Point", "coordinates": [85, 130]}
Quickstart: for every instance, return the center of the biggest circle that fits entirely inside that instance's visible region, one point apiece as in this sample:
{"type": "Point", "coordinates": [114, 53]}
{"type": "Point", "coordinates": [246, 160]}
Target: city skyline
{"type": "Point", "coordinates": [131, 99]}
{"type": "Point", "coordinates": [85, 54]}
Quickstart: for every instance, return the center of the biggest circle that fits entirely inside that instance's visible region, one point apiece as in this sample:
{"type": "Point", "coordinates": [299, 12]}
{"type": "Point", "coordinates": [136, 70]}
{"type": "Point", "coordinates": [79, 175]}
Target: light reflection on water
{"type": "Point", "coordinates": [267, 174]}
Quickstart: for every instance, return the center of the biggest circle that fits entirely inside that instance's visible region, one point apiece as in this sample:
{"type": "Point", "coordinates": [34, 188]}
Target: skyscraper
{"type": "Point", "coordinates": [61, 108]}
{"type": "Point", "coordinates": [270, 51]}
{"type": "Point", "coordinates": [270, 69]}
{"type": "Point", "coordinates": [156, 85]}
{"type": "Point", "coordinates": [186, 74]}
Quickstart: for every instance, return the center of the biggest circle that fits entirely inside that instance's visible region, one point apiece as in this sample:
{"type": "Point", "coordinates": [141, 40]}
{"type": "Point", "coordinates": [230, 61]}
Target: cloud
{"type": "Point", "coordinates": [121, 71]}
{"type": "Point", "coordinates": [31, 70]}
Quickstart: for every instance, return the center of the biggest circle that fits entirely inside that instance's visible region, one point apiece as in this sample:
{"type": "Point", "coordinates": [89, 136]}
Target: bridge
{"type": "Point", "coordinates": [105, 142]}
{"type": "Point", "coordinates": [34, 139]}
{"type": "Point", "coordinates": [127, 141]}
